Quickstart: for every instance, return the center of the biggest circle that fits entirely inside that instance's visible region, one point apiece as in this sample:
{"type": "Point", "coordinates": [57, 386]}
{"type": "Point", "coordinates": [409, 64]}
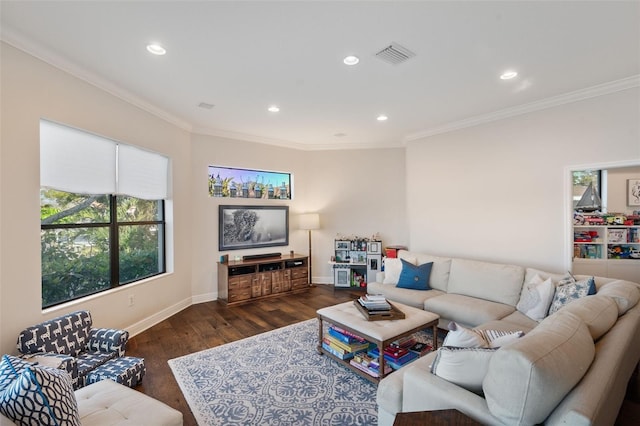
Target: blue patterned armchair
{"type": "Point", "coordinates": [78, 348]}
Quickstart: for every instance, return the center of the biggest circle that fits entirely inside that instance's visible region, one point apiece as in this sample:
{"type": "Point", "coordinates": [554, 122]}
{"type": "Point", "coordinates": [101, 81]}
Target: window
{"type": "Point", "coordinates": [92, 243]}
{"type": "Point", "coordinates": [95, 241]}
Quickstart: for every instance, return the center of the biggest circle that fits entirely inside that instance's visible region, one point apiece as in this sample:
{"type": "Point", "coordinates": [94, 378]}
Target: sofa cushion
{"type": "Point", "coordinates": [527, 379]}
{"type": "Point", "coordinates": [40, 395]}
{"type": "Point", "coordinates": [530, 273]}
{"type": "Point", "coordinates": [568, 293]}
{"type": "Point", "coordinates": [414, 277]}
{"type": "Point", "coordinates": [439, 272]}
{"type": "Point", "coordinates": [484, 280]}
{"type": "Point", "coordinates": [536, 298]}
{"type": "Point", "coordinates": [393, 269]}
{"type": "Point", "coordinates": [625, 293]}
{"type": "Point", "coordinates": [599, 313]}
{"type": "Point", "coordinates": [465, 367]}
{"type": "Point", "coordinates": [466, 310]}
{"type": "Point", "coordinates": [415, 298]}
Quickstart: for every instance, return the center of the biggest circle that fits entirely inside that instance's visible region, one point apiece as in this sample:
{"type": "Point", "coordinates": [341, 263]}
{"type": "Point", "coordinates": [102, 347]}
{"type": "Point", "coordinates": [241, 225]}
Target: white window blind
{"type": "Point", "coordinates": [142, 174]}
{"type": "Point", "coordinates": [75, 161]}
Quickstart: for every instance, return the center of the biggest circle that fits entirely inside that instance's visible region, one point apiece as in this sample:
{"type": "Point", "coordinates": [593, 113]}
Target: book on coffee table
{"type": "Point", "coordinates": [393, 314]}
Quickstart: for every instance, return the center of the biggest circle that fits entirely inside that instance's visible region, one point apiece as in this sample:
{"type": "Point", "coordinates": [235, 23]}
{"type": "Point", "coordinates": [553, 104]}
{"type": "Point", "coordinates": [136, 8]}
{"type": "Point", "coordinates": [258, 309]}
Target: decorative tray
{"type": "Point", "coordinates": [394, 314]}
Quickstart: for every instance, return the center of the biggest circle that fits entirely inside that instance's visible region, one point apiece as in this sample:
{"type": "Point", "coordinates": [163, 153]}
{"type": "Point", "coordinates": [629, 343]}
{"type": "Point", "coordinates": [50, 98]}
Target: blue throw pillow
{"type": "Point", "coordinates": [592, 287]}
{"type": "Point", "coordinates": [415, 277]}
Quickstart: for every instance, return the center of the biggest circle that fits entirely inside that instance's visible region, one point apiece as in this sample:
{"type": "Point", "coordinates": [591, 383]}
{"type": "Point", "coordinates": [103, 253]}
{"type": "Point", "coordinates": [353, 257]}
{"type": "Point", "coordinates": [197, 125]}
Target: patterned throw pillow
{"type": "Point", "coordinates": [42, 396]}
{"type": "Point", "coordinates": [567, 293]}
{"type": "Point", "coordinates": [465, 367]}
{"type": "Point", "coordinates": [10, 369]}
{"type": "Point", "coordinates": [536, 297]}
{"type": "Point", "coordinates": [498, 338]}
{"type": "Point", "coordinates": [415, 277]}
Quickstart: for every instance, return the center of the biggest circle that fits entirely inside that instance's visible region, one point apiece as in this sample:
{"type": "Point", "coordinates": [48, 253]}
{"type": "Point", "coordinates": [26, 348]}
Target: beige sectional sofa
{"type": "Point", "coordinates": [571, 367]}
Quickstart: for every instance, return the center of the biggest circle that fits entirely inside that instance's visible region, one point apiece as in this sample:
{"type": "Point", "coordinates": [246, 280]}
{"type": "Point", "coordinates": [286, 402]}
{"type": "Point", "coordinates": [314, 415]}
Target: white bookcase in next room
{"type": "Point", "coordinates": [607, 250]}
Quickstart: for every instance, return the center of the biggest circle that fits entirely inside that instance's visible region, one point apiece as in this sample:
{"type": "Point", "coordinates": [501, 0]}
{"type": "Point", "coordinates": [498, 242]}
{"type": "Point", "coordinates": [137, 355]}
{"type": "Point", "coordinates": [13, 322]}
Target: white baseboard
{"type": "Point", "coordinates": [323, 280]}
{"type": "Point", "coordinates": [207, 297]}
{"type": "Point", "coordinates": [154, 319]}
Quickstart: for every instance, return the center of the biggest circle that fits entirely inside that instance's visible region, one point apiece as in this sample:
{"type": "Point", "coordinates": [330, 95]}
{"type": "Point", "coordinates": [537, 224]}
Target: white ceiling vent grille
{"type": "Point", "coordinates": [395, 54]}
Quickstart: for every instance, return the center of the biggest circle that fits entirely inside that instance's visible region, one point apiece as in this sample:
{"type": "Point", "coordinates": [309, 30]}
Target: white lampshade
{"type": "Point", "coordinates": [309, 221]}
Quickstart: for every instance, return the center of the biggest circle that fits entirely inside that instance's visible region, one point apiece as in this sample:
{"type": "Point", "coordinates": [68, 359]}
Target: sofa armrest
{"type": "Point", "coordinates": [108, 340]}
{"type": "Point", "coordinates": [424, 391]}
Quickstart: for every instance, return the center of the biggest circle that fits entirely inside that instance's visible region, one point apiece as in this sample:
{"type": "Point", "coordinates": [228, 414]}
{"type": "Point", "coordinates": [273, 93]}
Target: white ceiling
{"type": "Point", "coordinates": [244, 56]}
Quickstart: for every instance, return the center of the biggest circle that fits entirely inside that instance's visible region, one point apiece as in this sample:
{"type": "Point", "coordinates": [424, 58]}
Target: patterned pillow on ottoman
{"type": "Point", "coordinates": [42, 396]}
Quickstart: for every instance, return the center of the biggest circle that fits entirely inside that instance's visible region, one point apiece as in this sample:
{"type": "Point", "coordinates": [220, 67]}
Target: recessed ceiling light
{"type": "Point", "coordinates": [508, 75]}
{"type": "Point", "coordinates": [351, 60]}
{"type": "Point", "coordinates": [205, 105]}
{"type": "Point", "coordinates": [156, 49]}
{"type": "Point", "coordinates": [382, 117]}
{"type": "Point", "coordinates": [340, 135]}
{"type": "Point", "coordinates": [273, 108]}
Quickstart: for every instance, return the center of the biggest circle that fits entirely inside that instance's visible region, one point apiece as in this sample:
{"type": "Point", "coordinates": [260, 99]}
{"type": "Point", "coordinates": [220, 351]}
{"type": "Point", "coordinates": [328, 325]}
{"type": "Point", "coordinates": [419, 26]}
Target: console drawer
{"type": "Point", "coordinates": [241, 281]}
{"type": "Point", "coordinates": [238, 294]}
{"type": "Point", "coordinates": [299, 283]}
{"type": "Point", "coordinates": [297, 273]}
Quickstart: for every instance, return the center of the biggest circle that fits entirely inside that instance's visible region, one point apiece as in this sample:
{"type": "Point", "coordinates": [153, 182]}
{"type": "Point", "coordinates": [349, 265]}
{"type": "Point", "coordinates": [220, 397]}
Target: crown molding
{"type": "Point", "coordinates": [575, 96]}
{"type": "Point", "coordinates": [228, 134]}
{"type": "Point", "coordinates": [289, 144]}
{"type": "Point", "coordinates": [21, 42]}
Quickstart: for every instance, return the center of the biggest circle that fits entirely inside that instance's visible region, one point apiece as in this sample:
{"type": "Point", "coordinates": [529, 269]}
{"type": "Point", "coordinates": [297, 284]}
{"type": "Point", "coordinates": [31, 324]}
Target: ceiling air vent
{"type": "Point", "coordinates": [395, 54]}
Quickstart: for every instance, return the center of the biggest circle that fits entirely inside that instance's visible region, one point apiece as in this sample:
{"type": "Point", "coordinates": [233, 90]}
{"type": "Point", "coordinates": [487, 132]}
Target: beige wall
{"type": "Point", "coordinates": [356, 192]}
{"type": "Point", "coordinates": [617, 188]}
{"type": "Point", "coordinates": [32, 90]}
{"type": "Point", "coordinates": [497, 191]}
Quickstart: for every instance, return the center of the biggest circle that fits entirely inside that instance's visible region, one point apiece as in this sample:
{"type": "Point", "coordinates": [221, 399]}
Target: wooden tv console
{"type": "Point", "coordinates": [243, 281]}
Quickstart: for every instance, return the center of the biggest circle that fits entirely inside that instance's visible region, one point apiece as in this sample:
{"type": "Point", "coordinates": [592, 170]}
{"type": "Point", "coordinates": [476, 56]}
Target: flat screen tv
{"type": "Point", "coordinates": [246, 227]}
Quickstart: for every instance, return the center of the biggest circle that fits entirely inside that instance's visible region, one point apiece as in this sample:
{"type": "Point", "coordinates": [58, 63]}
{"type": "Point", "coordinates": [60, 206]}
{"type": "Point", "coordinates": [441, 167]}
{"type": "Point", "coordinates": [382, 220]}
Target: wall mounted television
{"type": "Point", "coordinates": [247, 227]}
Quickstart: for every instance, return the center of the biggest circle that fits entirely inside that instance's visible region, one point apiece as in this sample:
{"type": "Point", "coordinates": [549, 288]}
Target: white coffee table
{"type": "Point", "coordinates": [382, 333]}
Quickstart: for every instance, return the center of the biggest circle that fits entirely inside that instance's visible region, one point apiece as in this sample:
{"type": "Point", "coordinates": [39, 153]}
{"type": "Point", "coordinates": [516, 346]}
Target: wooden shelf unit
{"type": "Point", "coordinates": [598, 256]}
{"type": "Point", "coordinates": [245, 281]}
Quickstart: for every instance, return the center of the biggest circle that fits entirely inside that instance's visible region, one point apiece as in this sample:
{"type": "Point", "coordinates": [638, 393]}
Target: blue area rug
{"type": "Point", "coordinates": [274, 378]}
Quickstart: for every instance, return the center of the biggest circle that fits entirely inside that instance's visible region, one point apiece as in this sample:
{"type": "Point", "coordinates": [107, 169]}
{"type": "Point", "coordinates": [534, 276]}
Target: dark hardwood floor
{"type": "Point", "coordinates": [210, 324]}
